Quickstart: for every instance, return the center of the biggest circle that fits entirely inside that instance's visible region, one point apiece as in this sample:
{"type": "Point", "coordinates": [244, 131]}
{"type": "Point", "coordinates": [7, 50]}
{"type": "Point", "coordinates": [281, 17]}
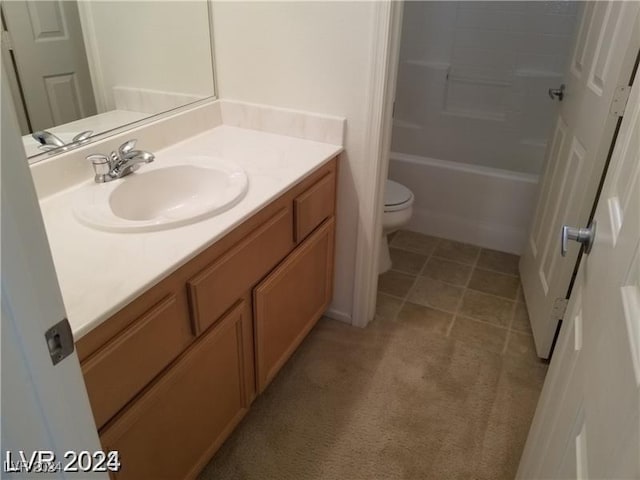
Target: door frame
{"type": "Point", "coordinates": [385, 54]}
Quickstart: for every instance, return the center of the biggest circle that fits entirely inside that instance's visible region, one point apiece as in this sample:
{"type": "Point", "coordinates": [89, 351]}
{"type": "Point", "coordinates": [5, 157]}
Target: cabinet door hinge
{"type": "Point", "coordinates": [59, 341]}
{"type": "Point", "coordinates": [619, 102]}
{"type": "Point", "coordinates": [559, 308]}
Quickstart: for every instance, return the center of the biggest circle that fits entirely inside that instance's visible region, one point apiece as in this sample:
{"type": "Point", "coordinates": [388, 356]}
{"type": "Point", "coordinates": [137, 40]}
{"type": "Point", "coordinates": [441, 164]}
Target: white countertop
{"type": "Point", "coordinates": [100, 272]}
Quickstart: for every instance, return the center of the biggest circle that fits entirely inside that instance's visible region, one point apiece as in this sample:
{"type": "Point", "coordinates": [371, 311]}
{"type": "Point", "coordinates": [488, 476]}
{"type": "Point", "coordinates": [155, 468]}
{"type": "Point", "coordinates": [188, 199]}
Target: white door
{"type": "Point", "coordinates": [587, 424]}
{"type": "Point", "coordinates": [46, 38]}
{"type": "Point", "coordinates": [7, 64]}
{"type": "Point", "coordinates": [44, 407]}
{"type": "Point", "coordinates": [603, 59]}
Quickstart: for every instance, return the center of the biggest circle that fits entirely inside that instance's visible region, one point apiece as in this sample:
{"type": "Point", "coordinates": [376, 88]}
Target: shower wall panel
{"type": "Point", "coordinates": [473, 80]}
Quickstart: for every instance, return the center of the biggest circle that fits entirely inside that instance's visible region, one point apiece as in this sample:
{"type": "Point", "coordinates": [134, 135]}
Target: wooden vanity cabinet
{"type": "Point", "coordinates": [222, 282]}
{"type": "Point", "coordinates": [117, 372]}
{"type": "Point", "coordinates": [289, 302]}
{"type": "Point", "coordinates": [171, 374]}
{"type": "Point", "coordinates": [172, 430]}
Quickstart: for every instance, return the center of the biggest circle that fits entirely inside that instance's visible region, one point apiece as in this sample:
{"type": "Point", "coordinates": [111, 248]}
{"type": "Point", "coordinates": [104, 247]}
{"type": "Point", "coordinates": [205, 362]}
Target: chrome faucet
{"type": "Point", "coordinates": [119, 164]}
{"type": "Point", "coordinates": [48, 141]}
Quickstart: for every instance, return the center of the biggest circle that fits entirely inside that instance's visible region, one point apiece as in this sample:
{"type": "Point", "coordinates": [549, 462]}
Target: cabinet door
{"type": "Point", "coordinates": [290, 301]}
{"type": "Point", "coordinates": [176, 425]}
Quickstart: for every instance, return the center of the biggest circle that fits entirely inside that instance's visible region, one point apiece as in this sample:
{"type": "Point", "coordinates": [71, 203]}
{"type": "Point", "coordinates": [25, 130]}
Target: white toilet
{"type": "Point", "coordinates": [398, 207]}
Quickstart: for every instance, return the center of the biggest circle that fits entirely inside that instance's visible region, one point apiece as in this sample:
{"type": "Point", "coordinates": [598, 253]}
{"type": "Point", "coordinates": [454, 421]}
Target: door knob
{"type": "Point", "coordinates": [585, 236]}
{"type": "Point", "coordinates": [557, 93]}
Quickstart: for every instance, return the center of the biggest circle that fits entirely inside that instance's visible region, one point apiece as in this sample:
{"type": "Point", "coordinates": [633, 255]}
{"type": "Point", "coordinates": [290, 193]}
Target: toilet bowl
{"type": "Point", "coordinates": [398, 207]}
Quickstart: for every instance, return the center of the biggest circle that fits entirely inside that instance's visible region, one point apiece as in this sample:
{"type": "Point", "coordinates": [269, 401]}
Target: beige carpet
{"type": "Point", "coordinates": [421, 393]}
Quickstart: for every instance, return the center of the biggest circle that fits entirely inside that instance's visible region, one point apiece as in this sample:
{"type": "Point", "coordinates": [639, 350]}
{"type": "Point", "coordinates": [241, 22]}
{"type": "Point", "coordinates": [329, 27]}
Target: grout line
{"type": "Point", "coordinates": [418, 276]}
{"type": "Point", "coordinates": [513, 313]}
{"type": "Point", "coordinates": [483, 322]}
{"type": "Point", "coordinates": [513, 275]}
{"type": "Point", "coordinates": [390, 295]}
{"type": "Point", "coordinates": [450, 327]}
{"type": "Point", "coordinates": [457, 285]}
{"type": "Point", "coordinates": [403, 300]}
{"type": "Point", "coordinates": [493, 295]}
{"type": "Point", "coordinates": [458, 262]}
{"type": "Point", "coordinates": [506, 343]}
{"type": "Point", "coordinates": [510, 326]}
{"type": "Point", "coordinates": [405, 272]}
{"type": "Point", "coordinates": [475, 262]}
{"type": "Point", "coordinates": [466, 285]}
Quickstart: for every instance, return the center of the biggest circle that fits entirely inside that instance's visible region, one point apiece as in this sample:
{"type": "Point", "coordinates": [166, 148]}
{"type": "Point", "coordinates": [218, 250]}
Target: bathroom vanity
{"type": "Point", "coordinates": [178, 330]}
{"type": "Point", "coordinates": [171, 374]}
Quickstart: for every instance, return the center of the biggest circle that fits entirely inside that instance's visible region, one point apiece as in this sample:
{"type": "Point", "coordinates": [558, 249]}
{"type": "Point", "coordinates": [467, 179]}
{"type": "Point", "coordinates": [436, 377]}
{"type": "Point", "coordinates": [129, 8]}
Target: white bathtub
{"type": "Point", "coordinates": [483, 206]}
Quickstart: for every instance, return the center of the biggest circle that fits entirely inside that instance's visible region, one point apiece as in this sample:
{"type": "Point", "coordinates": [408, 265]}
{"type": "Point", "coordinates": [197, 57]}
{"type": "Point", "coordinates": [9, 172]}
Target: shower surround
{"type": "Point", "coordinates": [472, 114]}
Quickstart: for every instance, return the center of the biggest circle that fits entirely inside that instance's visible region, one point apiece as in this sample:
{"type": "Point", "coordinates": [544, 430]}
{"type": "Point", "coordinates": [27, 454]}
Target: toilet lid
{"type": "Point", "coordinates": [396, 196]}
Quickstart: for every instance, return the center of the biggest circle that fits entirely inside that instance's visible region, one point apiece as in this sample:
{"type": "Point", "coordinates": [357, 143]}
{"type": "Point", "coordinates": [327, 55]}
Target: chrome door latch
{"type": "Point", "coordinates": [59, 341]}
{"type": "Point", "coordinates": [585, 236]}
{"type": "Point", "coordinates": [557, 93]}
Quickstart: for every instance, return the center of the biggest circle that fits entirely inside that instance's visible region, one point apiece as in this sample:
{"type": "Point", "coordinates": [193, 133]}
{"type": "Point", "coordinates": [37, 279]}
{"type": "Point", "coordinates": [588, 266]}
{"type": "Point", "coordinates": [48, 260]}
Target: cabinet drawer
{"type": "Point", "coordinates": [123, 366]}
{"type": "Point", "coordinates": [175, 427]}
{"type": "Point", "coordinates": [314, 206]}
{"type": "Point", "coordinates": [291, 299]}
{"type": "Point", "coordinates": [214, 290]}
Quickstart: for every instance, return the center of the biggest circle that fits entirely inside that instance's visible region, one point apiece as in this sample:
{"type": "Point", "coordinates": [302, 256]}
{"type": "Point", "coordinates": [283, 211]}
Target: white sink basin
{"type": "Point", "coordinates": [158, 197]}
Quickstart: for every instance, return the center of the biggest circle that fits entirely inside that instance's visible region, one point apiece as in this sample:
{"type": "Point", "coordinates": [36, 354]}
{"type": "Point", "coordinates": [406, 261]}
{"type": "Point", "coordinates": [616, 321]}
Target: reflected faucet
{"type": "Point", "coordinates": [48, 141]}
{"type": "Point", "coordinates": [119, 164]}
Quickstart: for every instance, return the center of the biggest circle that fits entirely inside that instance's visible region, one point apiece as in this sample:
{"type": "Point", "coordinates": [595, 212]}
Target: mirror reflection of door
{"type": "Point", "coordinates": [47, 55]}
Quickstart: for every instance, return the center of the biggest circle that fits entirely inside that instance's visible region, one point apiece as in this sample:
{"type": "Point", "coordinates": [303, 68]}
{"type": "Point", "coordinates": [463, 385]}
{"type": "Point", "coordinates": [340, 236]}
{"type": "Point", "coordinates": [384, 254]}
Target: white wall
{"type": "Point", "coordinates": [473, 80]}
{"type": "Point", "coordinates": [313, 56]}
{"type": "Point", "coordinates": [159, 46]}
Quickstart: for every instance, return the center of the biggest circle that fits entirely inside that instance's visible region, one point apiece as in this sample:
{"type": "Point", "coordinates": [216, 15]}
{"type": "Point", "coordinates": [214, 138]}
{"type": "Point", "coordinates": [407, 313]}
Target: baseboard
{"type": "Point", "coordinates": [338, 315]}
{"type": "Point", "coordinates": [497, 237]}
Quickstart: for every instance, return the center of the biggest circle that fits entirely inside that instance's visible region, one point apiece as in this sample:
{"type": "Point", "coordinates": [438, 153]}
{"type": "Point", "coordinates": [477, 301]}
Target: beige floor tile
{"type": "Point", "coordinates": [415, 242]}
{"type": "Point", "coordinates": [478, 334]}
{"type": "Point", "coordinates": [521, 319]}
{"type": "Point", "coordinates": [425, 318]}
{"type": "Point", "coordinates": [486, 307]}
{"type": "Point", "coordinates": [405, 261]}
{"type": "Point", "coordinates": [387, 307]}
{"type": "Point", "coordinates": [432, 293]}
{"type": "Point", "coordinates": [494, 283]}
{"type": "Point", "coordinates": [447, 271]}
{"type": "Point", "coordinates": [459, 252]}
{"type": "Point", "coordinates": [498, 261]}
{"type": "Point", "coordinates": [395, 283]}
{"type": "Point", "coordinates": [522, 347]}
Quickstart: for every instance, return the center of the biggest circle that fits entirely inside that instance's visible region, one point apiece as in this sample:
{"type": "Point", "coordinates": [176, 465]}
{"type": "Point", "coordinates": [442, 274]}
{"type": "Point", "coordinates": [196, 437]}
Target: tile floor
{"type": "Point", "coordinates": [476, 292]}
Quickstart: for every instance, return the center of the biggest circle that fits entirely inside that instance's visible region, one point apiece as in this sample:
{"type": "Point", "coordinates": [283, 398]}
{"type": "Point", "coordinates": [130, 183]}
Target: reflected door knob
{"type": "Point", "coordinates": [557, 93]}
{"type": "Point", "coordinates": [585, 236]}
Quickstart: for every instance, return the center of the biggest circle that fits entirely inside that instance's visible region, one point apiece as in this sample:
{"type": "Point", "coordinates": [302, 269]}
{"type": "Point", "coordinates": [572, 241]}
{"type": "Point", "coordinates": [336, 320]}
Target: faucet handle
{"type": "Point", "coordinates": [47, 148]}
{"type": "Point", "coordinates": [101, 166]}
{"type": "Point", "coordinates": [83, 136]}
{"type": "Point", "coordinates": [98, 159]}
{"type": "Point", "coordinates": [127, 146]}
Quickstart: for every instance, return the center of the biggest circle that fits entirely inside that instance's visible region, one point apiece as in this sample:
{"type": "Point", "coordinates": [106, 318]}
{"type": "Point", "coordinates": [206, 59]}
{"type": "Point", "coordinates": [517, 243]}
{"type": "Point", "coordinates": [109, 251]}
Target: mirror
{"type": "Point", "coordinates": [79, 69]}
